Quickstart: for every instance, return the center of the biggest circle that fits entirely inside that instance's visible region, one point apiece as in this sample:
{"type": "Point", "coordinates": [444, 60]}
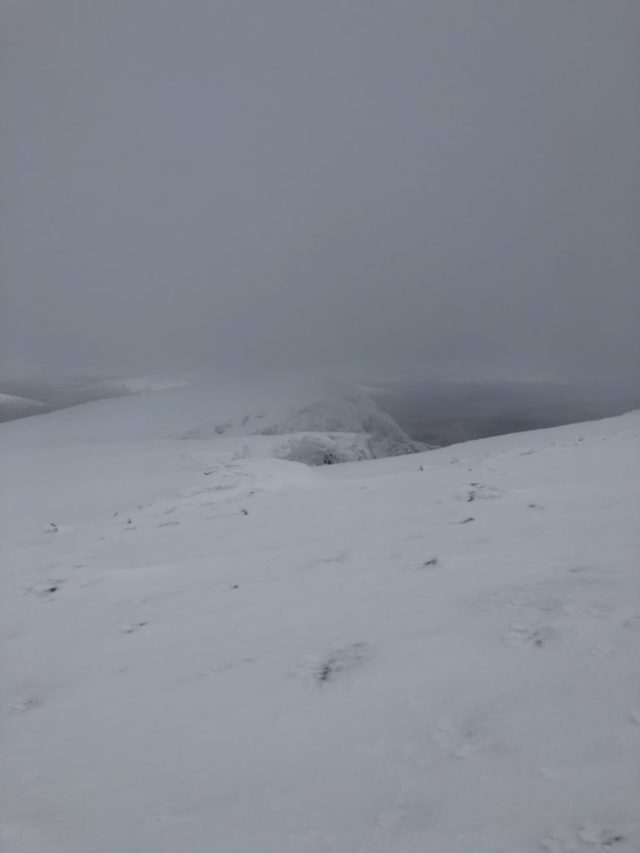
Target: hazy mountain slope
{"type": "Point", "coordinates": [137, 384]}
{"type": "Point", "coordinates": [13, 406]}
{"type": "Point", "coordinates": [228, 408]}
{"type": "Point", "coordinates": [254, 655]}
{"type": "Point", "coordinates": [327, 407]}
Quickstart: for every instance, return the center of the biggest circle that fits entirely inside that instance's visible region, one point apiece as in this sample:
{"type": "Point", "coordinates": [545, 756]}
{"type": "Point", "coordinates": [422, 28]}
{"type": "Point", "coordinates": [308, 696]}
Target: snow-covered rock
{"type": "Point", "coordinates": [328, 408]}
{"type": "Point", "coordinates": [322, 448]}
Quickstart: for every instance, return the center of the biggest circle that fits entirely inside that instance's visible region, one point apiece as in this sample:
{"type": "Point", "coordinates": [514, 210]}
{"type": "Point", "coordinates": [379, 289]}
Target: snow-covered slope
{"type": "Point", "coordinates": [11, 400]}
{"type": "Point", "coordinates": [327, 408]}
{"type": "Point", "coordinates": [351, 425]}
{"type": "Point", "coordinates": [438, 652]}
{"type": "Point", "coordinates": [12, 406]}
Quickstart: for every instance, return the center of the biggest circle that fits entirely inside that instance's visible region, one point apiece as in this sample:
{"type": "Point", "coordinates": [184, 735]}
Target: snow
{"type": "Point", "coordinates": [11, 402]}
{"type": "Point", "coordinates": [217, 650]}
{"type": "Point", "coordinates": [352, 424]}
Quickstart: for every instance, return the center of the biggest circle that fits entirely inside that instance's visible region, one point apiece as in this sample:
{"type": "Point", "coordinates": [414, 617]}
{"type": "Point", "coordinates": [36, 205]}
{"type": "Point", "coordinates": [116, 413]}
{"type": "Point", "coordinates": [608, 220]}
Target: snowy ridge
{"type": "Point", "coordinates": [229, 652]}
{"type": "Point", "coordinates": [329, 408]}
{"type": "Point", "coordinates": [11, 402]}
{"type": "Point", "coordinates": [341, 423]}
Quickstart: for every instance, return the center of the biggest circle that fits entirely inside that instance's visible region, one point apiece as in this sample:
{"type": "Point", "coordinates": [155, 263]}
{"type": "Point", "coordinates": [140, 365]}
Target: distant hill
{"type": "Point", "coordinates": [13, 406]}
{"type": "Point", "coordinates": [298, 418]}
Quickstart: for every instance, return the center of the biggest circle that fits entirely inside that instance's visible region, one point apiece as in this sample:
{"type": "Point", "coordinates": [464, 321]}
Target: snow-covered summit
{"type": "Point", "coordinates": [328, 408]}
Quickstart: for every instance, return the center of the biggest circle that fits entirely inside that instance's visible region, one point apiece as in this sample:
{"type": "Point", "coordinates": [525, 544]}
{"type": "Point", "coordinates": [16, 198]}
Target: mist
{"type": "Point", "coordinates": [400, 186]}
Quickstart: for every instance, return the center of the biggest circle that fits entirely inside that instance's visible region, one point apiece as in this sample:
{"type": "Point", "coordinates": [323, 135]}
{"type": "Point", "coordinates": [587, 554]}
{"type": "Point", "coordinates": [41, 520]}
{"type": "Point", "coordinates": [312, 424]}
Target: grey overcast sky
{"type": "Point", "coordinates": [298, 182]}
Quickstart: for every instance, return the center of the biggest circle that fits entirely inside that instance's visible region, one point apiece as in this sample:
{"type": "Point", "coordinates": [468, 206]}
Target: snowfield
{"type": "Point", "coordinates": [211, 650]}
